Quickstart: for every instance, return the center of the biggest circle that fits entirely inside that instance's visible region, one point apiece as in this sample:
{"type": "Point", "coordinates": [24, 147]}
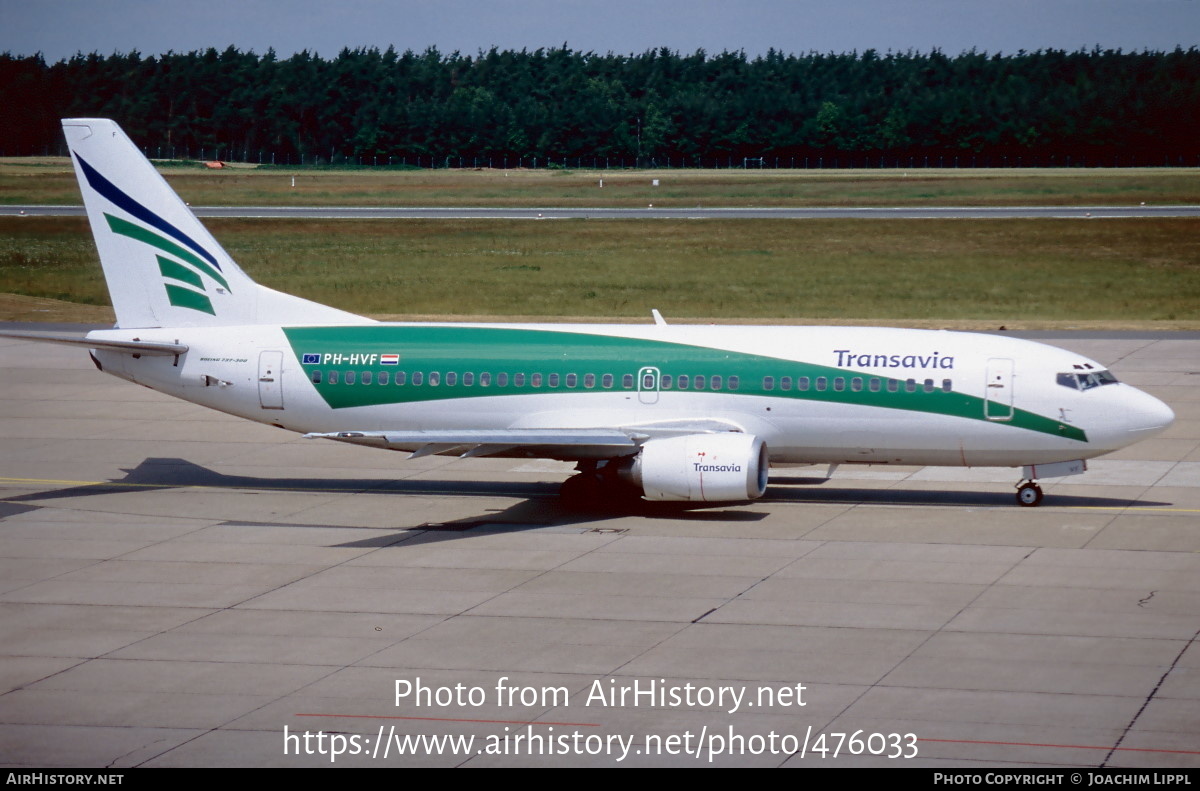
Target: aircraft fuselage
{"type": "Point", "coordinates": [813, 394]}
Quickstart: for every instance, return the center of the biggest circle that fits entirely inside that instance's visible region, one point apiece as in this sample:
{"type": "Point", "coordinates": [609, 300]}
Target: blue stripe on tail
{"type": "Point", "coordinates": [114, 194]}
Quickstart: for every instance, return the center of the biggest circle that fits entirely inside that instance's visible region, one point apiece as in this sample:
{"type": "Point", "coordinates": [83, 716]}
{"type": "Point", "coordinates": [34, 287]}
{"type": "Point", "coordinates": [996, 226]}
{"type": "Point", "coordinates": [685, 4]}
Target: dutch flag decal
{"type": "Point", "coordinates": [389, 359]}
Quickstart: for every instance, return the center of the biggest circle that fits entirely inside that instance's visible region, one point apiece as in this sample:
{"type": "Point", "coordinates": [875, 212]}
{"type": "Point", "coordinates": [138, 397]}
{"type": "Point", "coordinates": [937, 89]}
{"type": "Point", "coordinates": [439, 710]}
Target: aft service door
{"type": "Point", "coordinates": [270, 380]}
{"type": "Point", "coordinates": [998, 391]}
{"type": "Point", "coordinates": [647, 383]}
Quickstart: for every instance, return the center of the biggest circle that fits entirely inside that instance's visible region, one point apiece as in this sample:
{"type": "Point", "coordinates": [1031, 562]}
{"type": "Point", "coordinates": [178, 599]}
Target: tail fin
{"type": "Point", "coordinates": [163, 268]}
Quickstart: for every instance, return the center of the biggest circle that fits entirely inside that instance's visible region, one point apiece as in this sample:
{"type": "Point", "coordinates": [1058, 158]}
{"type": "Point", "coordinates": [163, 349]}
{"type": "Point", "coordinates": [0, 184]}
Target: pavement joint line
{"type": "Point", "coordinates": [1149, 699]}
{"type": "Point", "coordinates": [930, 634]}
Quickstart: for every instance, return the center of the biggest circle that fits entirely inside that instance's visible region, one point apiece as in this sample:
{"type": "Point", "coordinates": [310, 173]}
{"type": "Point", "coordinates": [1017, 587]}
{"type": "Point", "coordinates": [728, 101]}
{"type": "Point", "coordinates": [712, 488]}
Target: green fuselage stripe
{"type": "Point", "coordinates": [501, 350]}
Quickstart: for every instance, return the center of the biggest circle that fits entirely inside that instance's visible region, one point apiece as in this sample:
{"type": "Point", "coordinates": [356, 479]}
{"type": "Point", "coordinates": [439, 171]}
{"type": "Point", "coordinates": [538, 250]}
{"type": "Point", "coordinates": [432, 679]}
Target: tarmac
{"type": "Point", "coordinates": [183, 588]}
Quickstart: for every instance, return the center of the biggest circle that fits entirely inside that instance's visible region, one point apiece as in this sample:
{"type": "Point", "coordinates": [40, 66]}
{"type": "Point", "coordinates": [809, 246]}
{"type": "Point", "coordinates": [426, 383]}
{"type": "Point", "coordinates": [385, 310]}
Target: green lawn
{"type": "Point", "coordinates": [50, 181]}
{"type": "Point", "coordinates": [989, 272]}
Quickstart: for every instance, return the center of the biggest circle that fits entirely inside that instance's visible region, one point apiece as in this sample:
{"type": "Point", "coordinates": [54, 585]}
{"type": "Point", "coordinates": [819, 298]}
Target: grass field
{"type": "Point", "coordinates": [49, 180]}
{"type": "Point", "coordinates": [1014, 273]}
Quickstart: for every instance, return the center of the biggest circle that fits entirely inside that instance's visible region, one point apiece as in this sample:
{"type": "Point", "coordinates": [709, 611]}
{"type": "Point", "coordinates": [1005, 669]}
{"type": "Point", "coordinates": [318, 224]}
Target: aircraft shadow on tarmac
{"type": "Point", "coordinates": [540, 505]}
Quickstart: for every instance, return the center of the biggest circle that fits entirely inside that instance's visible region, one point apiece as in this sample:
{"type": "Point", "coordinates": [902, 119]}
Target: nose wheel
{"type": "Point", "coordinates": [1029, 494]}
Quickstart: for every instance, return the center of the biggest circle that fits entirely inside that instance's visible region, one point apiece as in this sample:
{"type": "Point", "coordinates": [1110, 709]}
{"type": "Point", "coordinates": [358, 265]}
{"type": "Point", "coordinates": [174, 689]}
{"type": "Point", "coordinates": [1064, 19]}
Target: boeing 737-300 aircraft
{"type": "Point", "coordinates": [667, 412]}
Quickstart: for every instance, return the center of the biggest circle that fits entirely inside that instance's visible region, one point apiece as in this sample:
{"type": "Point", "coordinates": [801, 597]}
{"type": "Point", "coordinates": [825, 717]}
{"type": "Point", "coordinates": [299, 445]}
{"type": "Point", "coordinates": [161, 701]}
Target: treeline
{"type": "Point", "coordinates": [1101, 107]}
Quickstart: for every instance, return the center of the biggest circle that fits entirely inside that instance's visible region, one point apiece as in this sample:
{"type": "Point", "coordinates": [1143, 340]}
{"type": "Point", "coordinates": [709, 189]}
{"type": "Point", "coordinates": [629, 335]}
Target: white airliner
{"type": "Point", "coordinates": [667, 412]}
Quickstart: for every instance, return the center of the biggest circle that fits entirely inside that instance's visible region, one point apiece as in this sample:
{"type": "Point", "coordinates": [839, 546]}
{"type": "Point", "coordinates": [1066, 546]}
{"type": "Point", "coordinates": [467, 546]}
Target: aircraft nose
{"type": "Point", "coordinates": [1147, 415]}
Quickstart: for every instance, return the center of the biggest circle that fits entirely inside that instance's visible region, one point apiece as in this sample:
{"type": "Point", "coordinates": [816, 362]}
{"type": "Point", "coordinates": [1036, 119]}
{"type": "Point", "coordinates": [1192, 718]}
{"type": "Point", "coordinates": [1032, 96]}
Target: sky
{"type": "Point", "coordinates": [61, 28]}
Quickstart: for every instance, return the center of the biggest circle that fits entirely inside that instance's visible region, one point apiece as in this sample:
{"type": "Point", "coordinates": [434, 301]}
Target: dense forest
{"type": "Point", "coordinates": [663, 108]}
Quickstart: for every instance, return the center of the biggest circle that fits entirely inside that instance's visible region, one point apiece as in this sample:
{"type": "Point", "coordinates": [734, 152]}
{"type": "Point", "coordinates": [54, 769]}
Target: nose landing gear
{"type": "Point", "coordinates": [1029, 494]}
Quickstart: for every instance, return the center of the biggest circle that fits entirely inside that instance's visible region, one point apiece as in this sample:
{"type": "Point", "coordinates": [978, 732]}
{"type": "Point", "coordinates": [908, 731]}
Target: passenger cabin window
{"type": "Point", "coordinates": [451, 379]}
{"type": "Point", "coordinates": [684, 381]}
{"type": "Point", "coordinates": [573, 379]}
{"type": "Point", "coordinates": [519, 380]}
{"type": "Point", "coordinates": [366, 377]}
{"type": "Point", "coordinates": [785, 382]}
{"type": "Point", "coordinates": [384, 377]}
{"type": "Point", "coordinates": [400, 377]}
{"type": "Point", "coordinates": [768, 383]}
{"type": "Point", "coordinates": [733, 383]}
{"type": "Point", "coordinates": [468, 379]}
{"type": "Point", "coordinates": [627, 381]}
{"type": "Point", "coordinates": [605, 381]}
{"type": "Point", "coordinates": [435, 379]}
{"type": "Point", "coordinates": [535, 380]}
{"type": "Point", "coordinates": [316, 377]}
{"type": "Point", "coordinates": [802, 383]}
{"type": "Point", "coordinates": [485, 380]}
{"type": "Point", "coordinates": [664, 381]}
{"type": "Point", "coordinates": [349, 377]}
{"type": "Point", "coordinates": [501, 380]}
{"type": "Point", "coordinates": [418, 378]}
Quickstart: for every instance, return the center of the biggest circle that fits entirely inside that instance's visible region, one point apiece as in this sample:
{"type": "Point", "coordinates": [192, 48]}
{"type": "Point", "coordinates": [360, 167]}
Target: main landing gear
{"type": "Point", "coordinates": [595, 485]}
{"type": "Point", "coordinates": [581, 490]}
{"type": "Point", "coordinates": [1029, 494]}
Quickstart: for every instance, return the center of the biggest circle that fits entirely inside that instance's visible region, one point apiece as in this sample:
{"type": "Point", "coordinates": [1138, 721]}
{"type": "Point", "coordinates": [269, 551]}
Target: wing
{"type": "Point", "coordinates": [567, 444]}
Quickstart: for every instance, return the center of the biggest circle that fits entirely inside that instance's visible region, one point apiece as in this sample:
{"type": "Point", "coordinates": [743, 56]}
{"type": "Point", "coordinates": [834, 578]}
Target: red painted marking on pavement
{"type": "Point", "coordinates": [1065, 746]}
{"type": "Point", "coordinates": [452, 719]}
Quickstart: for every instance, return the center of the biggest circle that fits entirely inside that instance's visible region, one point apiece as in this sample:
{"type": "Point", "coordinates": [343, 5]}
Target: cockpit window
{"type": "Point", "coordinates": [1086, 380]}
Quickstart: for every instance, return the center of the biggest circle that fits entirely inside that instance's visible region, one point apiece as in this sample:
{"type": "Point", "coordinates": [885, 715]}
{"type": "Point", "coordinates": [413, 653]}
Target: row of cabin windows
{"type": "Point", "coordinates": [857, 384]}
{"type": "Point", "coordinates": [666, 381]}
{"type": "Point", "coordinates": [469, 379]}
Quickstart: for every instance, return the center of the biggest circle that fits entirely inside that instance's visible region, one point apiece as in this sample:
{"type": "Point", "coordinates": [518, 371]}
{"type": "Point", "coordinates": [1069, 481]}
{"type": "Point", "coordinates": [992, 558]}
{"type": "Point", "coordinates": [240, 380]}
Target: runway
{"type": "Point", "coordinates": [183, 588]}
{"type": "Point", "coordinates": [652, 212]}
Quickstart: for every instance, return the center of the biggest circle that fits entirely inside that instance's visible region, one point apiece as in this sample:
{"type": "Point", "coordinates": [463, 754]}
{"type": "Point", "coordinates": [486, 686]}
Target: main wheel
{"type": "Point", "coordinates": [1029, 495]}
{"type": "Point", "coordinates": [581, 491]}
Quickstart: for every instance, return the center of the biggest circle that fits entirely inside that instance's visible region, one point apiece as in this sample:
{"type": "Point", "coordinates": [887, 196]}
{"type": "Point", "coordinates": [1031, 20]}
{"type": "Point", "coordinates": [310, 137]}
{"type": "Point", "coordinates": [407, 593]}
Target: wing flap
{"type": "Point", "coordinates": [567, 444]}
{"type": "Point", "coordinates": [557, 443]}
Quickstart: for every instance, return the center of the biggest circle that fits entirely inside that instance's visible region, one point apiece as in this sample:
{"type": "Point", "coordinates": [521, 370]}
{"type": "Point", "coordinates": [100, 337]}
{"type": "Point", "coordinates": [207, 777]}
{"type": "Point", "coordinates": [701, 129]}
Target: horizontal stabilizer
{"type": "Point", "coordinates": [148, 348]}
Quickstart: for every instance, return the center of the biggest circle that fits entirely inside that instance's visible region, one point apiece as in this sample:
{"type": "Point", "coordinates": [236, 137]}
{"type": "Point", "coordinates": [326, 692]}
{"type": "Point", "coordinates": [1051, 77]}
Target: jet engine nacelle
{"type": "Point", "coordinates": [701, 467]}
